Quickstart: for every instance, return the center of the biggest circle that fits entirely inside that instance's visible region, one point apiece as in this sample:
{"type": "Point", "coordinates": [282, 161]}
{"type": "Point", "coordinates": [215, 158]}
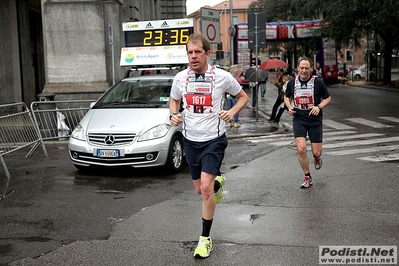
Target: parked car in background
{"type": "Point", "coordinates": [358, 73]}
{"type": "Point", "coordinates": [129, 126]}
{"type": "Point", "coordinates": [243, 81]}
{"type": "Point", "coordinates": [343, 72]}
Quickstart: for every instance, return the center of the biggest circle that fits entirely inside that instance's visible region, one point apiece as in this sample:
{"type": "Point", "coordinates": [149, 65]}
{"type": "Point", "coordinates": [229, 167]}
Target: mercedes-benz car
{"type": "Point", "coordinates": [129, 126]}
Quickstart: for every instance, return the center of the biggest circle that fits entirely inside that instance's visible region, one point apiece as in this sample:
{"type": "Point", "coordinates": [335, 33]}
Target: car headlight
{"type": "Point", "coordinates": [155, 132]}
{"type": "Point", "coordinates": [79, 133]}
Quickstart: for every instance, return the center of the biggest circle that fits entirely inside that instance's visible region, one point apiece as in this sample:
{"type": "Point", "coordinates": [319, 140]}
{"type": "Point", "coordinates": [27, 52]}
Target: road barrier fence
{"type": "Point", "coordinates": [21, 127]}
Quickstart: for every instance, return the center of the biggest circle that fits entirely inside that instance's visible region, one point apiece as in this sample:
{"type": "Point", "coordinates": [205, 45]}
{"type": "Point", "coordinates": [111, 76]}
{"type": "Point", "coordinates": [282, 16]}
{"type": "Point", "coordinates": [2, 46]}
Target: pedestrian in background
{"type": "Point", "coordinates": [318, 71]}
{"type": "Point", "coordinates": [204, 127]}
{"type": "Point", "coordinates": [262, 85]}
{"type": "Point", "coordinates": [306, 97]}
{"type": "Point", "coordinates": [252, 85]}
{"type": "Point", "coordinates": [295, 73]}
{"type": "Point", "coordinates": [255, 80]}
{"type": "Point", "coordinates": [231, 101]}
{"type": "Point", "coordinates": [281, 85]}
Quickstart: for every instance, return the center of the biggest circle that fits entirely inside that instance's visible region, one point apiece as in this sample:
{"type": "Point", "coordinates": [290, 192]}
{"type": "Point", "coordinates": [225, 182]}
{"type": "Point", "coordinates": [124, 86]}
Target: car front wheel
{"type": "Point", "coordinates": [175, 155]}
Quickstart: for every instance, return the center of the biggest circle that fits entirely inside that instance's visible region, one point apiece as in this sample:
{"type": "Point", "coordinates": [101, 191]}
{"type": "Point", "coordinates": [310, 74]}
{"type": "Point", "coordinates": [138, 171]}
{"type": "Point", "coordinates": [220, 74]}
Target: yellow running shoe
{"type": "Point", "coordinates": [219, 194]}
{"type": "Point", "coordinates": [204, 247]}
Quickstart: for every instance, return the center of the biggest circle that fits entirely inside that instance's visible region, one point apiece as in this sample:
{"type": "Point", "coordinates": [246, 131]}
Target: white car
{"type": "Point", "coordinates": [358, 73]}
{"type": "Point", "coordinates": [129, 126]}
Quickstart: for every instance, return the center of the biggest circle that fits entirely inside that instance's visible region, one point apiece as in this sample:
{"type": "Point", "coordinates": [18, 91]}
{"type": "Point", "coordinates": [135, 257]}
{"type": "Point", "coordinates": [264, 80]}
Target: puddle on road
{"type": "Point", "coordinates": [253, 217]}
{"type": "Point", "coordinates": [5, 249]}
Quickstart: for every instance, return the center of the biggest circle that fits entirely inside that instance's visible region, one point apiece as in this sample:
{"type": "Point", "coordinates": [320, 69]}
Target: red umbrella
{"type": "Point", "coordinates": [273, 63]}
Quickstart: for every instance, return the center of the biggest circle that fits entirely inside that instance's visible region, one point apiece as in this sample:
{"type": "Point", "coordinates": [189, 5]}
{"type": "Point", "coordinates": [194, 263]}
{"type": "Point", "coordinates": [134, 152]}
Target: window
{"type": "Point", "coordinates": [348, 55]}
{"type": "Point", "coordinates": [235, 20]}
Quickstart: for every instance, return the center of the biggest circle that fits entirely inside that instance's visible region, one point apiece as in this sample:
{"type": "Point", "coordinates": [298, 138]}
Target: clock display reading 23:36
{"type": "Point", "coordinates": [157, 33]}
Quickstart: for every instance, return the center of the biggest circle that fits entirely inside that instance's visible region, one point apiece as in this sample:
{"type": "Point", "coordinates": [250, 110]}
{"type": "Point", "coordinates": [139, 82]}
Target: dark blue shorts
{"type": "Point", "coordinates": [205, 156]}
{"type": "Point", "coordinates": [315, 133]}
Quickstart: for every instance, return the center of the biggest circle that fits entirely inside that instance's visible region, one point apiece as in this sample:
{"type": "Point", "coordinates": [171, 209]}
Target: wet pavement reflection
{"type": "Point", "coordinates": [48, 203]}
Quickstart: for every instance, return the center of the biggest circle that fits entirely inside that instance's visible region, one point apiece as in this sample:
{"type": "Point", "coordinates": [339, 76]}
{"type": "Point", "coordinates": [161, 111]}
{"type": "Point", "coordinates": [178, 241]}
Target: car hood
{"type": "Point", "coordinates": [123, 120]}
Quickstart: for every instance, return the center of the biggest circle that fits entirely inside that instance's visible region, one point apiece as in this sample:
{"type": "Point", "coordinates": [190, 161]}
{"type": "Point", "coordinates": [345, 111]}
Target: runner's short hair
{"type": "Point", "coordinates": [197, 37]}
{"type": "Point", "coordinates": [307, 59]}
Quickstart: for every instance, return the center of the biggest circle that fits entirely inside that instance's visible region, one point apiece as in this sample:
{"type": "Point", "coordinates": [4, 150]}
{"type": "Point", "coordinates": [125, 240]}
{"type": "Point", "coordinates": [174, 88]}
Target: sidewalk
{"type": "Point", "coordinates": [255, 122]}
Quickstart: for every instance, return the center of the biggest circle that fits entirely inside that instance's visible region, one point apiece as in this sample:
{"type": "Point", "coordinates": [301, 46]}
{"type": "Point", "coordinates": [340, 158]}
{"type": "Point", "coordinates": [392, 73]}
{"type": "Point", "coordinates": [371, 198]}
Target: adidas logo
{"type": "Point", "coordinates": [164, 25]}
{"type": "Point", "coordinates": [200, 78]}
{"type": "Point", "coordinates": [149, 25]}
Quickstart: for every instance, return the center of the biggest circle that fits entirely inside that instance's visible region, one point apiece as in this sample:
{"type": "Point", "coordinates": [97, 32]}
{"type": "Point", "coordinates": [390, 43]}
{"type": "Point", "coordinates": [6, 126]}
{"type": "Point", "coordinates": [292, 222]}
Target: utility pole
{"type": "Point", "coordinates": [232, 35]}
{"type": "Point", "coordinates": [256, 40]}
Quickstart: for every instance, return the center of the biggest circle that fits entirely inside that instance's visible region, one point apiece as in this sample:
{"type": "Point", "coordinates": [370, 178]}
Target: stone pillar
{"type": "Point", "coordinates": [75, 43]}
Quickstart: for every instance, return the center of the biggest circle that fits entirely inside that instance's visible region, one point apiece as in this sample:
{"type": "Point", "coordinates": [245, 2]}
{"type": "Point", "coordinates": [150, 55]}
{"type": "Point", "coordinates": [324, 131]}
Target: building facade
{"type": "Point", "coordinates": [239, 14]}
{"type": "Point", "coordinates": [68, 48]}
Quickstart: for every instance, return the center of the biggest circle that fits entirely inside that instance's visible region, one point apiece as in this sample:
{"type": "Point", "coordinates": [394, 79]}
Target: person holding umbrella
{"type": "Point", "coordinates": [270, 64]}
{"type": "Point", "coordinates": [254, 75]}
{"type": "Point", "coordinates": [306, 96]}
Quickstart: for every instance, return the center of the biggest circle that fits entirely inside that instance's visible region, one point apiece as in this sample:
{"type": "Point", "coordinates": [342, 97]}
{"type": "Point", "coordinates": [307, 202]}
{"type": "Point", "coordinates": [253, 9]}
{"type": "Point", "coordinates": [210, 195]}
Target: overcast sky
{"type": "Point", "coordinates": [193, 5]}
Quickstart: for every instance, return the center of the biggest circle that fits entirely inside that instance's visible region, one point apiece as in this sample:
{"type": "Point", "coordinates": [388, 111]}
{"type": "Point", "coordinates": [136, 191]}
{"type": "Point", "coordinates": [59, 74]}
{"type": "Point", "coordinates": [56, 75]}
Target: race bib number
{"type": "Point", "coordinates": [304, 102]}
{"type": "Point", "coordinates": [199, 99]}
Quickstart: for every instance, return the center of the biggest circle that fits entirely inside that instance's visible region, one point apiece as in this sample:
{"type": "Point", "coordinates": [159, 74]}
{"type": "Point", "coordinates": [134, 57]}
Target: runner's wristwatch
{"type": "Point", "coordinates": [172, 114]}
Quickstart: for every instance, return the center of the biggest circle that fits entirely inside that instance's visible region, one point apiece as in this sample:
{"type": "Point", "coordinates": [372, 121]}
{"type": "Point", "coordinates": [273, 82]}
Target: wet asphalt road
{"type": "Point", "coordinates": [49, 208]}
{"type": "Point", "coordinates": [48, 203]}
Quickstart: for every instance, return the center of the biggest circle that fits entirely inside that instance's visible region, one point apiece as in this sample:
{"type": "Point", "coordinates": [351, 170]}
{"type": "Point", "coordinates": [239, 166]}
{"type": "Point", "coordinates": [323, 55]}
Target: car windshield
{"type": "Point", "coordinates": [137, 93]}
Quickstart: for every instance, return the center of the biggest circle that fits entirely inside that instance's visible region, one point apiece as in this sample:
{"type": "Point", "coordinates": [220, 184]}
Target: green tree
{"type": "Point", "coordinates": [346, 21]}
{"type": "Point", "coordinates": [357, 19]}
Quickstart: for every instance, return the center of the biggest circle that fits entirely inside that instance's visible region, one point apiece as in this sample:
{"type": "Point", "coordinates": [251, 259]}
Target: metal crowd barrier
{"type": "Point", "coordinates": [57, 119]}
{"type": "Point", "coordinates": [46, 120]}
{"type": "Point", "coordinates": [17, 130]}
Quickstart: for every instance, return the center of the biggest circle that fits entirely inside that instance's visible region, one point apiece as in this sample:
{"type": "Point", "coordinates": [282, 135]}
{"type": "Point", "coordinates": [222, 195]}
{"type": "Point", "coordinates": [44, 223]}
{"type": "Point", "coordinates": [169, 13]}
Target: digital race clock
{"type": "Point", "coordinates": [157, 37]}
{"type": "Point", "coordinates": [156, 42]}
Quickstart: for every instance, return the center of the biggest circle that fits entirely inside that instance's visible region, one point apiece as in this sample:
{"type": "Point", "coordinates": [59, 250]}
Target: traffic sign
{"type": "Point", "coordinates": [256, 30]}
{"type": "Point", "coordinates": [210, 24]}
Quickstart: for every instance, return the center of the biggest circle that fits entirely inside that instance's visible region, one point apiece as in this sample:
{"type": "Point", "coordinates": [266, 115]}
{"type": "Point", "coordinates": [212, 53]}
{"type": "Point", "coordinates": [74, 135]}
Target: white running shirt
{"type": "Point", "coordinates": [203, 97]}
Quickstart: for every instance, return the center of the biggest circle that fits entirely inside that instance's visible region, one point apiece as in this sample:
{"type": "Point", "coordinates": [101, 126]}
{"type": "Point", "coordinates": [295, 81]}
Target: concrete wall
{"type": "Point", "coordinates": [62, 46]}
{"type": "Point", "coordinates": [10, 79]}
{"type": "Point", "coordinates": [74, 44]}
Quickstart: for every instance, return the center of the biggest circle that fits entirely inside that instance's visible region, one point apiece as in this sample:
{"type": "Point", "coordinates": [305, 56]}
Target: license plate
{"type": "Point", "coordinates": [108, 153]}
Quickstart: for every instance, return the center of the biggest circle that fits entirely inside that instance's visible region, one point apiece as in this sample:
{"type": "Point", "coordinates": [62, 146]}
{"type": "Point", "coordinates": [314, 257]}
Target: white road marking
{"type": "Point", "coordinates": [381, 158]}
{"type": "Point", "coordinates": [369, 123]}
{"type": "Point", "coordinates": [330, 133]}
{"type": "Point", "coordinates": [337, 125]}
{"type": "Point", "coordinates": [365, 150]}
{"type": "Point", "coordinates": [390, 118]}
{"type": "Point", "coordinates": [359, 142]}
{"type": "Point", "coordinates": [338, 138]}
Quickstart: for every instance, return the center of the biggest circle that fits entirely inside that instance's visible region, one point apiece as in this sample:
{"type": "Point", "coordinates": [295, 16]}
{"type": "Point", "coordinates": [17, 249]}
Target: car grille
{"type": "Point", "coordinates": [111, 139]}
{"type": "Point", "coordinates": [128, 159]}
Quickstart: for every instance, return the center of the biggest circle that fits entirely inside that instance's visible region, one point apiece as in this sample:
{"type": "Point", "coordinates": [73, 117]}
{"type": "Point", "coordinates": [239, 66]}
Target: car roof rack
{"type": "Point", "coordinates": [158, 67]}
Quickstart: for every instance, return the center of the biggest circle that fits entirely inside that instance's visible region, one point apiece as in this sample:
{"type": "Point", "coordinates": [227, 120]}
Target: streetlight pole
{"type": "Point", "coordinates": [231, 37]}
